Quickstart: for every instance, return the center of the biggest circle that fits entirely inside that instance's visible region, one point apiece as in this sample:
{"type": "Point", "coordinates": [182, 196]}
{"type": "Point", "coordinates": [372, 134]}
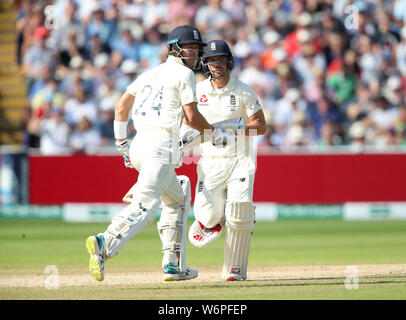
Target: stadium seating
{"type": "Point", "coordinates": [12, 82]}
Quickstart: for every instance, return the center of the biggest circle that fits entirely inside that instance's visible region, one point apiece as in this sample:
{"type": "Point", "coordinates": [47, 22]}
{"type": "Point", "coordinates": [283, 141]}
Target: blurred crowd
{"type": "Point", "coordinates": [327, 73]}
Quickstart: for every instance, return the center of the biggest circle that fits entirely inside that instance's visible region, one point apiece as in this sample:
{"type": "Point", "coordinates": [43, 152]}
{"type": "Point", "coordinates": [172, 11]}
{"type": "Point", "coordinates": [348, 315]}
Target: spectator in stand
{"type": "Point", "coordinates": [242, 48]}
{"type": "Point", "coordinates": [86, 9]}
{"type": "Point", "coordinates": [400, 53]}
{"type": "Point", "coordinates": [79, 106]}
{"type": "Point", "coordinates": [23, 13]}
{"type": "Point", "coordinates": [285, 76]}
{"type": "Point", "coordinates": [309, 63]}
{"type": "Point", "coordinates": [37, 56]}
{"type": "Point", "coordinates": [46, 73]}
{"type": "Point", "coordinates": [128, 72]}
{"type": "Point", "coordinates": [368, 59]}
{"type": "Point", "coordinates": [399, 10]}
{"type": "Point", "coordinates": [95, 47]}
{"type": "Point", "coordinates": [181, 12]}
{"type": "Point", "coordinates": [393, 91]}
{"type": "Point", "coordinates": [69, 35]}
{"type": "Point", "coordinates": [59, 10]}
{"type": "Point", "coordinates": [387, 33]}
{"type": "Point", "coordinates": [402, 142]}
{"type": "Point", "coordinates": [329, 136]}
{"type": "Point", "coordinates": [106, 29]}
{"type": "Point", "coordinates": [130, 10]}
{"type": "Point", "coordinates": [383, 114]}
{"type": "Point", "coordinates": [399, 125]}
{"type": "Point", "coordinates": [85, 138]}
{"type": "Point", "coordinates": [30, 17]}
{"type": "Point", "coordinates": [309, 66]}
{"type": "Point", "coordinates": [257, 14]}
{"type": "Point", "coordinates": [297, 133]}
{"type": "Point", "coordinates": [296, 137]}
{"type": "Point", "coordinates": [127, 45]}
{"type": "Point", "coordinates": [236, 9]}
{"type": "Point", "coordinates": [154, 14]}
{"type": "Point", "coordinates": [284, 109]}
{"type": "Point", "coordinates": [366, 15]}
{"type": "Point", "coordinates": [269, 57]}
{"type": "Point", "coordinates": [361, 104]}
{"type": "Point", "coordinates": [322, 111]}
{"type": "Point", "coordinates": [247, 44]}
{"type": "Point", "coordinates": [53, 132]}
{"type": "Point", "coordinates": [73, 77]}
{"type": "Point", "coordinates": [150, 49]}
{"type": "Point", "coordinates": [105, 122]}
{"type": "Point", "coordinates": [108, 90]}
{"type": "Point", "coordinates": [100, 74]}
{"type": "Point", "coordinates": [331, 28]}
{"type": "Point", "coordinates": [49, 97]}
{"type": "Point", "coordinates": [358, 135]}
{"type": "Point", "coordinates": [343, 77]}
{"type": "Point", "coordinates": [292, 42]}
{"type": "Point", "coordinates": [212, 19]}
{"type": "Point", "coordinates": [73, 50]}
{"type": "Point", "coordinates": [254, 75]}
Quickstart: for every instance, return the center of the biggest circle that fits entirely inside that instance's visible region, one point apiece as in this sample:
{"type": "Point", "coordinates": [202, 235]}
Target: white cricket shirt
{"type": "Point", "coordinates": [236, 99]}
{"type": "Point", "coordinates": [160, 93]}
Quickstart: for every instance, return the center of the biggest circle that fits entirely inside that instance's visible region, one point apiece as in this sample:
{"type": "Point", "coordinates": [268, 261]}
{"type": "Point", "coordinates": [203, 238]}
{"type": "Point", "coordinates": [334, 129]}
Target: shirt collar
{"type": "Point", "coordinates": [229, 87]}
{"type": "Point", "coordinates": [173, 59]}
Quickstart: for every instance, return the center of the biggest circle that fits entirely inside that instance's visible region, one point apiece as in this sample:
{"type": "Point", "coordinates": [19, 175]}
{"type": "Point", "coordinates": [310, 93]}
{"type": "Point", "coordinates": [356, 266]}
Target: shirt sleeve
{"type": "Point", "coordinates": [188, 89]}
{"type": "Point", "coordinates": [251, 102]}
{"type": "Point", "coordinates": [133, 87]}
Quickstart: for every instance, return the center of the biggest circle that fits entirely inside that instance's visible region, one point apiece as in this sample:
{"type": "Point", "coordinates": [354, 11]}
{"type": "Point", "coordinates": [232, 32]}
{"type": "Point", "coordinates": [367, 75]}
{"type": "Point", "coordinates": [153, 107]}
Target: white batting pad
{"type": "Point", "coordinates": [172, 228]}
{"type": "Point", "coordinates": [240, 218]}
{"type": "Point", "coordinates": [126, 224]}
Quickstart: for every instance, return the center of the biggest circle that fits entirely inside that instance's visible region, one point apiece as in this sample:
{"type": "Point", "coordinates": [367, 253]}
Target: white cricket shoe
{"type": "Point", "coordinates": [173, 273]}
{"type": "Point", "coordinates": [201, 236]}
{"type": "Point", "coordinates": [95, 246]}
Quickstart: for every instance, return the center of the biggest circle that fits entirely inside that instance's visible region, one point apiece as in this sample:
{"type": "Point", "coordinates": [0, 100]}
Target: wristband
{"type": "Point", "coordinates": [120, 129]}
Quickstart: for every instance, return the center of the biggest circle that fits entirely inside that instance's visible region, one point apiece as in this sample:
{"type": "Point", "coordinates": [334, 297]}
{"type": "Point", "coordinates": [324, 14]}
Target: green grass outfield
{"type": "Point", "coordinates": [27, 247]}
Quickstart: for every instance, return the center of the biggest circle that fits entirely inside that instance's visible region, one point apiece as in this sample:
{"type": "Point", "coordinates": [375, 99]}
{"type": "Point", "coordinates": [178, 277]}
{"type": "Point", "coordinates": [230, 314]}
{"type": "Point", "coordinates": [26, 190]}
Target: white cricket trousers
{"type": "Point", "coordinates": [222, 179]}
{"type": "Point", "coordinates": [151, 153]}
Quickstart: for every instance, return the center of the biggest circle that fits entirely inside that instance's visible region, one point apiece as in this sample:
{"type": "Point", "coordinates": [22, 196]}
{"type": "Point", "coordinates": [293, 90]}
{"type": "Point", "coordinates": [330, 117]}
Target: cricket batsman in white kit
{"type": "Point", "coordinates": [224, 190]}
{"type": "Point", "coordinates": [159, 98]}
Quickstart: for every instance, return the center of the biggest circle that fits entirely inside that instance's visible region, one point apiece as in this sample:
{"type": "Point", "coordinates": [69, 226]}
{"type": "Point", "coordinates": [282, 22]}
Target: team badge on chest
{"type": "Point", "coordinates": [233, 103]}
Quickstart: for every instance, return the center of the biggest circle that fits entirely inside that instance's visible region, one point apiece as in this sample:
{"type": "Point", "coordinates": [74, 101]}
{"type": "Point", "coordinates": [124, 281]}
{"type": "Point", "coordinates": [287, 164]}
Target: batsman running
{"type": "Point", "coordinates": [224, 190]}
{"type": "Point", "coordinates": [159, 98]}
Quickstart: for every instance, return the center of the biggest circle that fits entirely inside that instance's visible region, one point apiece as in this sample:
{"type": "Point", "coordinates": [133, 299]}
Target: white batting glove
{"type": "Point", "coordinates": [221, 137]}
{"type": "Point", "coordinates": [124, 150]}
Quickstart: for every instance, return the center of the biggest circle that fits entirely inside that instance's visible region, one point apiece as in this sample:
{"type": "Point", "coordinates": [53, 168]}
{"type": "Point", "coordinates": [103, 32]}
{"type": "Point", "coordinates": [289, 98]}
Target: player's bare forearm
{"type": "Point", "coordinates": [256, 125]}
{"type": "Point", "coordinates": [122, 108]}
{"type": "Point", "coordinates": [194, 119]}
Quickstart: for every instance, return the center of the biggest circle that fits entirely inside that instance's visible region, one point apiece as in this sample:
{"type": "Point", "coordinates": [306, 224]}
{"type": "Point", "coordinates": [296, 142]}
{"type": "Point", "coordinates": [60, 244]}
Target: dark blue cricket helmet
{"type": "Point", "coordinates": [184, 35]}
{"type": "Point", "coordinates": [216, 48]}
